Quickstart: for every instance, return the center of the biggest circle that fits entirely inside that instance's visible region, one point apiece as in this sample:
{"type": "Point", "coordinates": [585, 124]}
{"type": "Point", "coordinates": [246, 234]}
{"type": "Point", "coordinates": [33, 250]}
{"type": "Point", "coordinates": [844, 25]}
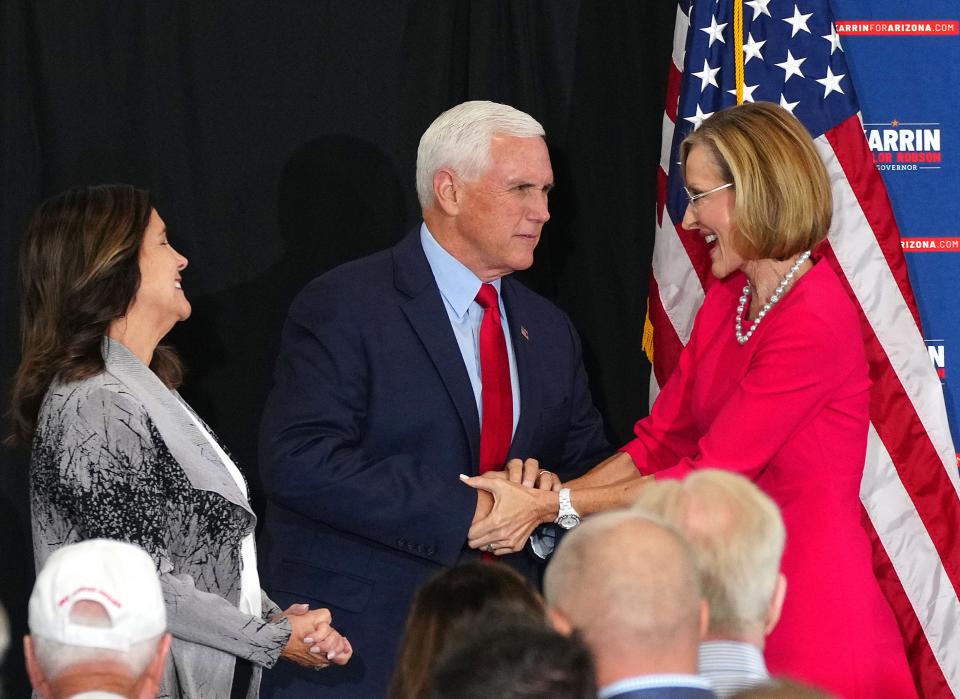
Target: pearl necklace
{"type": "Point", "coordinates": [777, 295]}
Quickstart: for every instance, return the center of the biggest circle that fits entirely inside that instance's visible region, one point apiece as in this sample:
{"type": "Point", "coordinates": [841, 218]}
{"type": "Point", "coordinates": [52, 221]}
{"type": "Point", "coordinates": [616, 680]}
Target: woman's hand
{"type": "Point", "coordinates": [516, 512]}
{"type": "Point", "coordinates": [313, 641]}
{"type": "Point", "coordinates": [527, 473]}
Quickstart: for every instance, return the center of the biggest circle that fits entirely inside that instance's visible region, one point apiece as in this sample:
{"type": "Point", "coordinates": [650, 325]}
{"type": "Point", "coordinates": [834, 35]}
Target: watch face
{"type": "Point", "coordinates": [568, 521]}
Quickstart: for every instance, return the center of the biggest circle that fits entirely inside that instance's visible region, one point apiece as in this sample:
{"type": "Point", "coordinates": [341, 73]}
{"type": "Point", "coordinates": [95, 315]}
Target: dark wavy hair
{"type": "Point", "coordinates": [79, 270]}
{"type": "Point", "coordinates": [514, 659]}
{"type": "Point", "coordinates": [447, 605]}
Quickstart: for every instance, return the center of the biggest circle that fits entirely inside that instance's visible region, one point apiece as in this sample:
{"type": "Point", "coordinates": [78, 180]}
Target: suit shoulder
{"type": "Point", "coordinates": [348, 283]}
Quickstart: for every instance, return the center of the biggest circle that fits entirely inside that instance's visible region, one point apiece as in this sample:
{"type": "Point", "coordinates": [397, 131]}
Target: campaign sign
{"type": "Point", "coordinates": [904, 57]}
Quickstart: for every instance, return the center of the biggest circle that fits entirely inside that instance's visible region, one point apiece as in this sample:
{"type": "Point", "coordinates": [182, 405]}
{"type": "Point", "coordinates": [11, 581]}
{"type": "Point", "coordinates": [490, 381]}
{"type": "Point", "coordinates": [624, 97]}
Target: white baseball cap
{"type": "Point", "coordinates": [119, 576]}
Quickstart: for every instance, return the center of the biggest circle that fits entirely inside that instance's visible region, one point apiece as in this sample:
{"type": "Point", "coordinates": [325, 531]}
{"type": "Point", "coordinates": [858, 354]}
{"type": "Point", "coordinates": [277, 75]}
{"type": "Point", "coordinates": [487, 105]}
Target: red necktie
{"type": "Point", "coordinates": [496, 428]}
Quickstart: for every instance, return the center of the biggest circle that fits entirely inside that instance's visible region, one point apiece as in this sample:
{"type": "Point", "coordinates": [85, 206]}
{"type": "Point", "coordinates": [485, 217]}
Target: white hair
{"type": "Point", "coordinates": [737, 537]}
{"type": "Point", "coordinates": [54, 657]}
{"type": "Point", "coordinates": [460, 138]}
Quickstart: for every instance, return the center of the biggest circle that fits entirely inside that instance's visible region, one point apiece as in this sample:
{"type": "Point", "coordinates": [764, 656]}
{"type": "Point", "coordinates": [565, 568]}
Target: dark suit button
{"type": "Point", "coordinates": [419, 548]}
{"type": "Point", "coordinates": [401, 542]}
{"type": "Point", "coordinates": [431, 551]}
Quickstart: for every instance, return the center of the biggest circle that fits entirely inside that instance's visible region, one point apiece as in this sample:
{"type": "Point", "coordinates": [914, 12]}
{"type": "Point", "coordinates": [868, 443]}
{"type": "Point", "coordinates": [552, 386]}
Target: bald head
{"type": "Point", "coordinates": [737, 537]}
{"type": "Point", "coordinates": [628, 583]}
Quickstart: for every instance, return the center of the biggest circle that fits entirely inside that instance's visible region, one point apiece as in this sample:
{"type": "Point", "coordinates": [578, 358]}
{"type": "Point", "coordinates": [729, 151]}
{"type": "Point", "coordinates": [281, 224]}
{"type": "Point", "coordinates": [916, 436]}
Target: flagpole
{"type": "Point", "coordinates": [738, 47]}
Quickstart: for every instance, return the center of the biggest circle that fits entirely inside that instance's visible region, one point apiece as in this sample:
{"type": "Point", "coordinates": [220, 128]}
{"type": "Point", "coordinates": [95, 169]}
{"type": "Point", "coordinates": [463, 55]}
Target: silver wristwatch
{"type": "Point", "coordinates": [567, 517]}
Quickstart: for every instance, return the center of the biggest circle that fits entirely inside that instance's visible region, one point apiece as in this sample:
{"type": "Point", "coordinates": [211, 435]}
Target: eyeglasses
{"type": "Point", "coordinates": [694, 198]}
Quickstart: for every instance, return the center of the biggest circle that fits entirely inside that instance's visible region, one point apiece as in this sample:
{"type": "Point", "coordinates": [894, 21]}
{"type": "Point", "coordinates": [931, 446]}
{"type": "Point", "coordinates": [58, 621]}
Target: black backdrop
{"type": "Point", "coordinates": [280, 140]}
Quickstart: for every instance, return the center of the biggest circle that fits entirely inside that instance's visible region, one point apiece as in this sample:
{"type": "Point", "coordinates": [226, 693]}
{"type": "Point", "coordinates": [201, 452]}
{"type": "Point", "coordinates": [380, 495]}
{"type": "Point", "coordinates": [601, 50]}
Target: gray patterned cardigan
{"type": "Point", "coordinates": [116, 456]}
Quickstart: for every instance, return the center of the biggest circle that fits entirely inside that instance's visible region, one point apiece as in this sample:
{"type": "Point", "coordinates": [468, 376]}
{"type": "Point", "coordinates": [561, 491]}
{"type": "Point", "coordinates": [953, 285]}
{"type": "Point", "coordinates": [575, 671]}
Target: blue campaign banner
{"type": "Point", "coordinates": [904, 56]}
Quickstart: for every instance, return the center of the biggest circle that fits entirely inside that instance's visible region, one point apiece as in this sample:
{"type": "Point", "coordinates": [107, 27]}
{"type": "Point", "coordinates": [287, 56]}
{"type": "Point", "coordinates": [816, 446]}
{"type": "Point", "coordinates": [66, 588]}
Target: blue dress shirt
{"type": "Point", "coordinates": [459, 287]}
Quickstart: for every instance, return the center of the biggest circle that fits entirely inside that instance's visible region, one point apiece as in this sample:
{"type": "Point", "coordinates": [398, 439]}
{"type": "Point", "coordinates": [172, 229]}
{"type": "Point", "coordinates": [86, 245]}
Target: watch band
{"type": "Point", "coordinates": [567, 515]}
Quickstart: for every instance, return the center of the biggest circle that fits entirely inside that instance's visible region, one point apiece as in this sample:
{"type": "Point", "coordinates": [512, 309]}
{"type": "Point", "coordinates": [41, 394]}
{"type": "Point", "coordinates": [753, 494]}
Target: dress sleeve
{"type": "Point", "coordinates": [791, 378]}
{"type": "Point", "coordinates": [668, 434]}
{"type": "Point", "coordinates": [106, 486]}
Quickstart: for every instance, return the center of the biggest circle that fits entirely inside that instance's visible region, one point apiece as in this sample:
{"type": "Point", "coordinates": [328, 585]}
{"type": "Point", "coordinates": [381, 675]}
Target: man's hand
{"type": "Point", "coordinates": [516, 512]}
{"type": "Point", "coordinates": [529, 474]}
{"type": "Point", "coordinates": [314, 642]}
{"type": "Point", "coordinates": [484, 504]}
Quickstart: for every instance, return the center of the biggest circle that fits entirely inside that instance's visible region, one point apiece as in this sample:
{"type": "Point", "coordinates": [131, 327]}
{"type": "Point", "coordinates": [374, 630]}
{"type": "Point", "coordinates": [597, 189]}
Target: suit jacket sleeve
{"type": "Point", "coordinates": [106, 491]}
{"type": "Point", "coordinates": [316, 455]}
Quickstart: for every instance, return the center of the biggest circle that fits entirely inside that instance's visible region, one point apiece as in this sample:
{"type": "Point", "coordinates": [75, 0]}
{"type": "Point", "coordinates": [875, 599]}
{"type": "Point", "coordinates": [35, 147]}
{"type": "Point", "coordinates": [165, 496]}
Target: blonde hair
{"type": "Point", "coordinates": [737, 537]}
{"type": "Point", "coordinates": [783, 201]}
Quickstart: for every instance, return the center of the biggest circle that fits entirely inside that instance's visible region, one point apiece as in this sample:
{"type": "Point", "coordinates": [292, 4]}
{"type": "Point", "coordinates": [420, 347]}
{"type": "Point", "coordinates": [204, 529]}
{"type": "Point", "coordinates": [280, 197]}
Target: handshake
{"type": "Point", "coordinates": [511, 504]}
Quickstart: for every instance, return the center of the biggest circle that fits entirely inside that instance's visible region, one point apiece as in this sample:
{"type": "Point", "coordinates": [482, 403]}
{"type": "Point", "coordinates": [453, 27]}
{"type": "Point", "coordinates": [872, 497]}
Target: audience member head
{"type": "Point", "coordinates": [737, 537]}
{"type": "Point", "coordinates": [483, 174]}
{"type": "Point", "coordinates": [512, 659]}
{"type": "Point", "coordinates": [452, 601]}
{"type": "Point", "coordinates": [80, 271]}
{"type": "Point", "coordinates": [97, 623]}
{"type": "Point", "coordinates": [628, 583]}
{"type": "Point", "coordinates": [783, 202]}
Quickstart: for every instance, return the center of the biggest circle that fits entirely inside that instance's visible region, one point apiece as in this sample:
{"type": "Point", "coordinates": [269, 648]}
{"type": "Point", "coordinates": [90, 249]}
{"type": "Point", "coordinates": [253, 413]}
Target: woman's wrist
{"type": "Point", "coordinates": [548, 505]}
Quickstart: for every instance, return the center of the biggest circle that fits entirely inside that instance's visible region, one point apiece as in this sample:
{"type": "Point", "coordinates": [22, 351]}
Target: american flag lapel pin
{"type": "Point", "coordinates": [523, 331]}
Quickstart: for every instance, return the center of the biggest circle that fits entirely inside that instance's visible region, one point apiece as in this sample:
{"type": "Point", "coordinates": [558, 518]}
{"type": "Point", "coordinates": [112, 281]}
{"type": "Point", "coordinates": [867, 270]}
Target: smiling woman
{"type": "Point", "coordinates": [784, 402]}
{"type": "Point", "coordinates": [159, 302]}
{"type": "Point", "coordinates": [117, 454]}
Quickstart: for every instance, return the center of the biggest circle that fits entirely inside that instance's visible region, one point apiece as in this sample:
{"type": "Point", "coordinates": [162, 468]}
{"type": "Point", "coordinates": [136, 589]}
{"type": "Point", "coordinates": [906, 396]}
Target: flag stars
{"type": "Point", "coordinates": [708, 76]}
{"type": "Point", "coordinates": [798, 21]}
{"type": "Point", "coordinates": [751, 49]}
{"type": "Point", "coordinates": [791, 66]}
{"type": "Point", "coordinates": [715, 31]}
{"type": "Point", "coordinates": [831, 82]}
{"type": "Point", "coordinates": [833, 38]}
{"type": "Point", "coordinates": [747, 92]}
{"type": "Point", "coordinates": [759, 8]}
{"type": "Point", "coordinates": [789, 106]}
{"type": "Point", "coordinates": [698, 118]}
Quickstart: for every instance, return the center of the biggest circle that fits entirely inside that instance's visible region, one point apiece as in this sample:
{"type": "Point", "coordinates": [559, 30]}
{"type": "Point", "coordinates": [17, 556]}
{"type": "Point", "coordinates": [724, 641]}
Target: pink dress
{"type": "Point", "coordinates": [789, 410]}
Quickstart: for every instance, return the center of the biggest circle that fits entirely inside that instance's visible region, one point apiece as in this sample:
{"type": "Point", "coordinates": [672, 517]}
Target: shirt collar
{"type": "Point", "coordinates": [458, 285]}
{"type": "Point", "coordinates": [633, 684]}
{"type": "Point", "coordinates": [728, 656]}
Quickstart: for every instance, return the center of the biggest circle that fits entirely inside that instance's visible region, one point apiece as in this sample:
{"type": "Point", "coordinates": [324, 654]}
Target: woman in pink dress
{"type": "Point", "coordinates": [774, 385]}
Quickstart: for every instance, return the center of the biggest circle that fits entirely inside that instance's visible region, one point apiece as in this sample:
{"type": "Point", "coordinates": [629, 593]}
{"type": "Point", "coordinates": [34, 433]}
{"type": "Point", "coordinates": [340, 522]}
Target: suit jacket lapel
{"type": "Point", "coordinates": [428, 317]}
{"type": "Point", "coordinates": [186, 443]}
{"type": "Point", "coordinates": [525, 352]}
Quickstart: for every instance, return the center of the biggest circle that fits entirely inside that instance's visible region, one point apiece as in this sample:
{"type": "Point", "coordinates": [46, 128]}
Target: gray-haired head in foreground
{"type": "Point", "coordinates": [460, 138]}
{"type": "Point", "coordinates": [737, 537]}
{"type": "Point", "coordinates": [627, 580]}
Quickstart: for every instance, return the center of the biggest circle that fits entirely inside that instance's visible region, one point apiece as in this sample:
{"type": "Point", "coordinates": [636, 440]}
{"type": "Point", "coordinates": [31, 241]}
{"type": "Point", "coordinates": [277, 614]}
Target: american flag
{"type": "Point", "coordinates": [792, 56]}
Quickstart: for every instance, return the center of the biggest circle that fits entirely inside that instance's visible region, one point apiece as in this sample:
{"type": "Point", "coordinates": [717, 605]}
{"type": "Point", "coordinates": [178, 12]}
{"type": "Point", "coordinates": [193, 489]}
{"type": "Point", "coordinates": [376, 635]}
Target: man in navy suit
{"type": "Point", "coordinates": [628, 583]}
{"type": "Point", "coordinates": [380, 402]}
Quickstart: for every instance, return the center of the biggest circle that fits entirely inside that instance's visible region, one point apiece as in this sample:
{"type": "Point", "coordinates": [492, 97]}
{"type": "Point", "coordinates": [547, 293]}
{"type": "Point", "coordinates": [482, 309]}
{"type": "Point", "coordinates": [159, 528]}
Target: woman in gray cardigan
{"type": "Point", "coordinates": [118, 454]}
